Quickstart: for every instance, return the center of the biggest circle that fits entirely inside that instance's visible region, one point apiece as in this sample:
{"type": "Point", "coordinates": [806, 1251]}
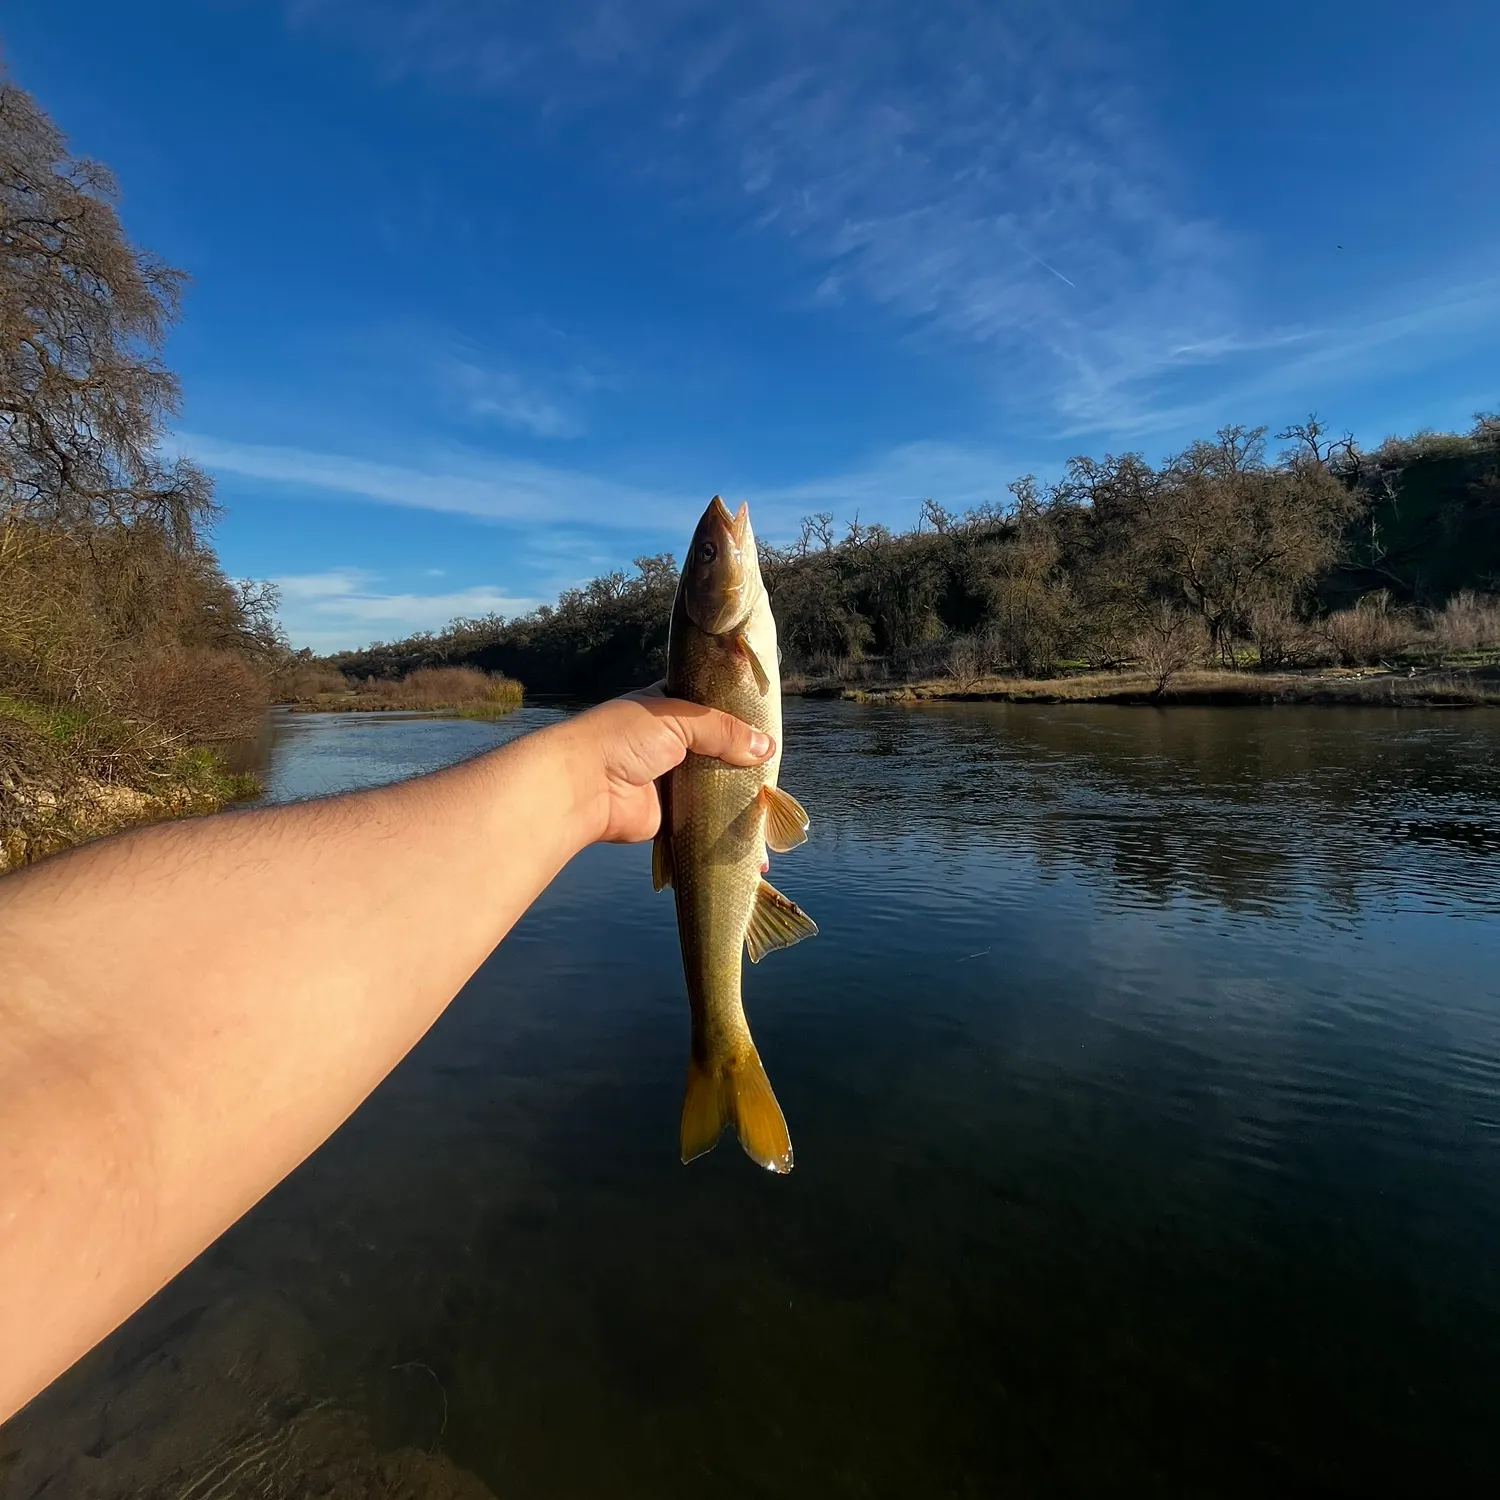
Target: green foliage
{"type": "Point", "coordinates": [1428, 524]}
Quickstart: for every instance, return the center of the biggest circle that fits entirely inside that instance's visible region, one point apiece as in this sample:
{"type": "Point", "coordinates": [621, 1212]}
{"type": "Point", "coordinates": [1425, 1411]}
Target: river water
{"type": "Point", "coordinates": [1145, 1088]}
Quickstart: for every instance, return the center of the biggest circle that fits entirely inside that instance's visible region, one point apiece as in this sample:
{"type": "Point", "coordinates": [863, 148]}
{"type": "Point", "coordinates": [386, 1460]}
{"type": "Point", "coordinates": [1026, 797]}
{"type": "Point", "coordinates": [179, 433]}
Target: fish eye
{"type": "Point", "coordinates": [707, 552]}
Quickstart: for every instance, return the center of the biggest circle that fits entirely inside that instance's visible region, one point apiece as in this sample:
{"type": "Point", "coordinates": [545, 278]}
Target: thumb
{"type": "Point", "coordinates": [711, 732]}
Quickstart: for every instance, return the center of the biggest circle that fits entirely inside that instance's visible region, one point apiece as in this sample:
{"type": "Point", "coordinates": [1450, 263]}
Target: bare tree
{"type": "Point", "coordinates": [83, 391]}
{"type": "Point", "coordinates": [1168, 640]}
{"type": "Point", "coordinates": [1231, 531]}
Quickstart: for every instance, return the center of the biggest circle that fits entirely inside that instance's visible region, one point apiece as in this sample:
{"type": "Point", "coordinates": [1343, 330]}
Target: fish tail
{"type": "Point", "coordinates": [742, 1094]}
{"type": "Point", "coordinates": [758, 1116]}
{"type": "Point", "coordinates": [705, 1111]}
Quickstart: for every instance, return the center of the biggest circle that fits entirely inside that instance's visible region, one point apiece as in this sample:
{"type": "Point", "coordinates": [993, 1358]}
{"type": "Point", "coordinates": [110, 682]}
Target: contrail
{"type": "Point", "coordinates": [1043, 264]}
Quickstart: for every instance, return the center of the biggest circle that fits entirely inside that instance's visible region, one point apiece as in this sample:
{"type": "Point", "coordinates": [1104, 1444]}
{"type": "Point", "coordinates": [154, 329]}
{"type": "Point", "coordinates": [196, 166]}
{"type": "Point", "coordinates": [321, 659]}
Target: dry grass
{"type": "Point", "coordinates": [298, 681]}
{"type": "Point", "coordinates": [1385, 689]}
{"type": "Point", "coordinates": [464, 692]}
{"type": "Point", "coordinates": [1370, 633]}
{"type": "Point", "coordinates": [1468, 622]}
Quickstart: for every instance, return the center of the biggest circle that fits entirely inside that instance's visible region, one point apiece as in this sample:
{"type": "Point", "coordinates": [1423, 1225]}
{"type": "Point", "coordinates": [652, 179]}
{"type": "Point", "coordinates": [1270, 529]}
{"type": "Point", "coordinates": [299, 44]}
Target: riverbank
{"type": "Point", "coordinates": [455, 692]}
{"type": "Point", "coordinates": [1411, 688]}
{"type": "Point", "coordinates": [53, 796]}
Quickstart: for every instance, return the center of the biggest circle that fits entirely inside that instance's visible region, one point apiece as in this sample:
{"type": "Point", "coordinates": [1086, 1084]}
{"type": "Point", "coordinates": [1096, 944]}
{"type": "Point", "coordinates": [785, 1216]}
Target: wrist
{"type": "Point", "coordinates": [582, 797]}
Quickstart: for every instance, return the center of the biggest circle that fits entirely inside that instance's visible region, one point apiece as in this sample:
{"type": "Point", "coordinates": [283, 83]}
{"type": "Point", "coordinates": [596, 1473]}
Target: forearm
{"type": "Point", "coordinates": [193, 1008]}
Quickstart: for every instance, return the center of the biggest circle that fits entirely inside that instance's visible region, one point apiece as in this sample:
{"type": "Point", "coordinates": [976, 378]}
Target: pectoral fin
{"type": "Point", "coordinates": [786, 822]}
{"type": "Point", "coordinates": [761, 680]}
{"type": "Point", "coordinates": [775, 922]}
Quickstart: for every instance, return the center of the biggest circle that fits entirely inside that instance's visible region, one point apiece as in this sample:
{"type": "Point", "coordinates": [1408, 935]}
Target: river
{"type": "Point", "coordinates": [1145, 1088]}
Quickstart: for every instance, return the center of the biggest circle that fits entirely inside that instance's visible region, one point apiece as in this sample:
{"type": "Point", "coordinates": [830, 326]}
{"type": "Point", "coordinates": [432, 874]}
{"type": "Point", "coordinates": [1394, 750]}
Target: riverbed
{"type": "Point", "coordinates": [1144, 1081]}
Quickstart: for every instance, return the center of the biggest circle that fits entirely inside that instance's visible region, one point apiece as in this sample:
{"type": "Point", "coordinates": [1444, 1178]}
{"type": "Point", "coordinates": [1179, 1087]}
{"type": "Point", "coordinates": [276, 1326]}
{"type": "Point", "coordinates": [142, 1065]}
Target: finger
{"type": "Point", "coordinates": [711, 732]}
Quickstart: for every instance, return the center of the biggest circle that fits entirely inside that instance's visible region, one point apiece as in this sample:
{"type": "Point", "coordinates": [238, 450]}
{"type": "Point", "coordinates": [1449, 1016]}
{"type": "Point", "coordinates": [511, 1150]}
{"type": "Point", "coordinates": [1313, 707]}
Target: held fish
{"type": "Point", "coordinates": [717, 823]}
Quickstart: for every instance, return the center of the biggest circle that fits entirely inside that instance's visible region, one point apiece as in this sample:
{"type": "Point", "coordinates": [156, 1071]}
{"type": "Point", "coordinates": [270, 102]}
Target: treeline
{"type": "Point", "coordinates": [1322, 550]}
{"type": "Point", "coordinates": [124, 650]}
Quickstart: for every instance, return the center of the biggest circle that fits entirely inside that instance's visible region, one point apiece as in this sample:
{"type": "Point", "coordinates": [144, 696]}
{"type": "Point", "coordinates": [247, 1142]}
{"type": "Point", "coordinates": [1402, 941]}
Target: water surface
{"type": "Point", "coordinates": [1145, 1089]}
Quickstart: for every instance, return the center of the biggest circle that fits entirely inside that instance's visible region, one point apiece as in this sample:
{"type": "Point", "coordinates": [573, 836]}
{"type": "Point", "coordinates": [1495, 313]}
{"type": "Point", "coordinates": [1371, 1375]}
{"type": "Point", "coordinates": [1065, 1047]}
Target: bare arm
{"type": "Point", "coordinates": [188, 1011]}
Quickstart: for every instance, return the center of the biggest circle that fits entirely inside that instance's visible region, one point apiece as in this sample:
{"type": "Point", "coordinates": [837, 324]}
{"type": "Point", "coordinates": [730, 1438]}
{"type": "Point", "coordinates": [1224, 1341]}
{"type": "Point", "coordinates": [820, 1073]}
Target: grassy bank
{"type": "Point", "coordinates": [67, 776]}
{"type": "Point", "coordinates": [1451, 687]}
{"type": "Point", "coordinates": [461, 692]}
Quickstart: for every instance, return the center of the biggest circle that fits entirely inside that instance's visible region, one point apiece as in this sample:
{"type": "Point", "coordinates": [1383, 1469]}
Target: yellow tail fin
{"type": "Point", "coordinates": [742, 1095]}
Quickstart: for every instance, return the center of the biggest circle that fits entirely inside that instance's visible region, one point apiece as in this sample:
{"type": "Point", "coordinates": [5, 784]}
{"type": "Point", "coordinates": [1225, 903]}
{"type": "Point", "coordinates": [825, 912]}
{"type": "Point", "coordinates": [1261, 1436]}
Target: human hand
{"type": "Point", "coordinates": [622, 746]}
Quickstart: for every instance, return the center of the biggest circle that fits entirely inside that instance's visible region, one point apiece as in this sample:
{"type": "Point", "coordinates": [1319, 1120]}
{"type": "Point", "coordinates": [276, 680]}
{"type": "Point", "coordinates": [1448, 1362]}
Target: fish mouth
{"type": "Point", "coordinates": [738, 523]}
{"type": "Point", "coordinates": [718, 583]}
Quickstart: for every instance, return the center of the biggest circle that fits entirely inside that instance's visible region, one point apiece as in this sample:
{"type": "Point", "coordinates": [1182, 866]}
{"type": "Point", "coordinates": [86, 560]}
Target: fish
{"type": "Point", "coordinates": [718, 822]}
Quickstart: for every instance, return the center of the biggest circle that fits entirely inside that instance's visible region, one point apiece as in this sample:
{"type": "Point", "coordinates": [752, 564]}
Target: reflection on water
{"type": "Point", "coordinates": [1145, 1083]}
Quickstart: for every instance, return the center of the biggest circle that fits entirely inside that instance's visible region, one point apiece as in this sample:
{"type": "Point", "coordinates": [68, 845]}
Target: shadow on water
{"type": "Point", "coordinates": [1145, 1083]}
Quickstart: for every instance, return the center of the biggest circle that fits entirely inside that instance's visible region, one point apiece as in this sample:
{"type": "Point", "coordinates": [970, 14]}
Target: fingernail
{"type": "Point", "coordinates": [760, 743]}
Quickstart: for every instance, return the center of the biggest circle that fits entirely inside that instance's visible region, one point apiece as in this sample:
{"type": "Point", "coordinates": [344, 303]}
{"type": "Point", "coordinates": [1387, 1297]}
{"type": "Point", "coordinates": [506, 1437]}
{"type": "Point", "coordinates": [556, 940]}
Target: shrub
{"type": "Point", "coordinates": [1468, 622]}
{"type": "Point", "coordinates": [300, 681]}
{"type": "Point", "coordinates": [197, 695]}
{"type": "Point", "coordinates": [1369, 633]}
{"type": "Point", "coordinates": [1168, 640]}
{"type": "Point", "coordinates": [433, 688]}
{"type": "Point", "coordinates": [965, 662]}
{"type": "Point", "coordinates": [1281, 638]}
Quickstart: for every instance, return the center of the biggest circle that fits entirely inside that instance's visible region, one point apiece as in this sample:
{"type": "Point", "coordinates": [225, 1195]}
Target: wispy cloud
{"type": "Point", "coordinates": [1415, 326]}
{"type": "Point", "coordinates": [555, 503]}
{"type": "Point", "coordinates": [342, 608]}
{"type": "Point", "coordinates": [989, 174]}
{"type": "Point", "coordinates": [494, 489]}
{"type": "Point", "coordinates": [504, 397]}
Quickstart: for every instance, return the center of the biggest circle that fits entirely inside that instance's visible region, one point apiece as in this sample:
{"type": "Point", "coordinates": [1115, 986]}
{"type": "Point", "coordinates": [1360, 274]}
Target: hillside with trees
{"type": "Point", "coordinates": [1224, 555]}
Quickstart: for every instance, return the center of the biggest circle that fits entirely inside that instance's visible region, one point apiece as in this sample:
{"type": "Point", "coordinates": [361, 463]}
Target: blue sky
{"type": "Point", "coordinates": [489, 297]}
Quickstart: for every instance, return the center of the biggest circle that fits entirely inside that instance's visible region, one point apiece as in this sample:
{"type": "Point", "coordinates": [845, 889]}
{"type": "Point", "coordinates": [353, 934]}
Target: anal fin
{"type": "Point", "coordinates": [786, 821]}
{"type": "Point", "coordinates": [775, 922]}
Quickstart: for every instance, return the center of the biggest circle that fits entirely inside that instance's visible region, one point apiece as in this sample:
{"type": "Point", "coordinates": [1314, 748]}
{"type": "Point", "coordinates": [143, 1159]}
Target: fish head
{"type": "Point", "coordinates": [721, 578]}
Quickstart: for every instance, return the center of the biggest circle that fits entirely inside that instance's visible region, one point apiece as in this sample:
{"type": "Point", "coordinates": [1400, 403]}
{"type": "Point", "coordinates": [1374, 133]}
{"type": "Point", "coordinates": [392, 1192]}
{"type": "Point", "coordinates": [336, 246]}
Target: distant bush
{"type": "Point", "coordinates": [966, 664]}
{"type": "Point", "coordinates": [445, 687]}
{"type": "Point", "coordinates": [1370, 633]}
{"type": "Point", "coordinates": [465, 691]}
{"type": "Point", "coordinates": [1468, 622]}
{"type": "Point", "coordinates": [1399, 452]}
{"type": "Point", "coordinates": [1281, 637]}
{"type": "Point", "coordinates": [299, 679]}
{"type": "Point", "coordinates": [1168, 641]}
